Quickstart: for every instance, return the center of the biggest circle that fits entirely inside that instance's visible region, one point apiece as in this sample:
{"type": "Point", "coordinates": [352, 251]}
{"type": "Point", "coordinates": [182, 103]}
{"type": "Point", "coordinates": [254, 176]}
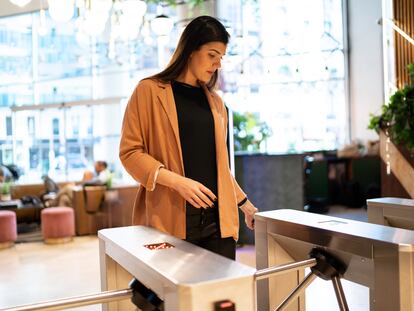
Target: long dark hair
{"type": "Point", "coordinates": [199, 31]}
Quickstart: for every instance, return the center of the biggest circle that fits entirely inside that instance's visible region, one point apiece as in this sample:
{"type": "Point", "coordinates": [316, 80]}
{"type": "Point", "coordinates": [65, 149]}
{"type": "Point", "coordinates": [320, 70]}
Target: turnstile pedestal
{"type": "Point", "coordinates": [186, 277]}
{"type": "Point", "coordinates": [393, 212]}
{"type": "Point", "coordinates": [379, 257]}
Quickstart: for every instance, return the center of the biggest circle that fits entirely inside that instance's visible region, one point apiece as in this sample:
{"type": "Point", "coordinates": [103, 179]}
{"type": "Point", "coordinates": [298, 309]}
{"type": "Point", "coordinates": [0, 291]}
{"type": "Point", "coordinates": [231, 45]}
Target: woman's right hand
{"type": "Point", "coordinates": [195, 193]}
{"type": "Point", "coordinates": [192, 191]}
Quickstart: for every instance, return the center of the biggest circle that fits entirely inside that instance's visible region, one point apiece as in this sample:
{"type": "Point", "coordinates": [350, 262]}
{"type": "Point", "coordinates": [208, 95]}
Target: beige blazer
{"type": "Point", "coordinates": [150, 140]}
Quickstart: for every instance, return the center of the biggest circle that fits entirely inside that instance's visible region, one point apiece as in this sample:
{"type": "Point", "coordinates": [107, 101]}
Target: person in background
{"type": "Point", "coordinates": [4, 175]}
{"type": "Point", "coordinates": [101, 177]}
{"type": "Point", "coordinates": [9, 173]}
{"type": "Point", "coordinates": [173, 142]}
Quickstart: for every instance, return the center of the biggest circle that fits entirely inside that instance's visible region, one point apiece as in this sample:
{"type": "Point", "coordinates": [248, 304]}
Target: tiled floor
{"type": "Point", "coordinates": [33, 272]}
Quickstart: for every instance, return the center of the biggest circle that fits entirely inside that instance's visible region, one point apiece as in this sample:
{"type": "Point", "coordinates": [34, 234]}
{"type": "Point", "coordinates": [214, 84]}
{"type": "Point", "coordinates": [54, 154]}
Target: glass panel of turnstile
{"type": "Point", "coordinates": [378, 257]}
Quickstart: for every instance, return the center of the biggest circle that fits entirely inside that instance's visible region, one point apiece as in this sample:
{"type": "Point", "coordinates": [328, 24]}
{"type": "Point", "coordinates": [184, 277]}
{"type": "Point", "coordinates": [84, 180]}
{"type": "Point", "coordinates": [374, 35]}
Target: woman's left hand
{"type": "Point", "coordinates": [249, 210]}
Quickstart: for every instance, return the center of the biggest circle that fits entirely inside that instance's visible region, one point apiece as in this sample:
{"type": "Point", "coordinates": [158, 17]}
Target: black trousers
{"type": "Point", "coordinates": [203, 229]}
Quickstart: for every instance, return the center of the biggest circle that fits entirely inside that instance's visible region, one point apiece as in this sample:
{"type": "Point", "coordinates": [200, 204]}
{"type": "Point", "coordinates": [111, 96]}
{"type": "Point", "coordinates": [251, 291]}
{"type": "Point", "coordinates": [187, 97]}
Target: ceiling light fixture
{"type": "Point", "coordinates": [162, 25]}
{"type": "Point", "coordinates": [61, 10]}
{"type": "Point", "coordinates": [20, 3]}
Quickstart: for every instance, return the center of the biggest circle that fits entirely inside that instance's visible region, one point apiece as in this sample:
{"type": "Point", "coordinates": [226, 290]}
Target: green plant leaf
{"type": "Point", "coordinates": [249, 131]}
{"type": "Point", "coordinates": [398, 115]}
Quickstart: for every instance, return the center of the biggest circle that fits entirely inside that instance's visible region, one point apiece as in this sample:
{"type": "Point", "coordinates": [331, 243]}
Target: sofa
{"type": "Point", "coordinates": [95, 207]}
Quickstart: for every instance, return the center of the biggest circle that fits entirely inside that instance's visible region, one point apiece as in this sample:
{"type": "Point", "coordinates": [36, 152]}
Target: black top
{"type": "Point", "coordinates": [196, 126]}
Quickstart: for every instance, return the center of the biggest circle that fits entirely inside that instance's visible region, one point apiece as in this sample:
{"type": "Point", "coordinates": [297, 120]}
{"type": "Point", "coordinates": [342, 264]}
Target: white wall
{"type": "Point", "coordinates": [365, 65]}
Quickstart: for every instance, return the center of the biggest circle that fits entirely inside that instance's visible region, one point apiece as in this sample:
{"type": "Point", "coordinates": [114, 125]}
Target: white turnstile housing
{"type": "Point", "coordinates": [393, 212]}
{"type": "Point", "coordinates": [186, 277]}
{"type": "Point", "coordinates": [379, 257]}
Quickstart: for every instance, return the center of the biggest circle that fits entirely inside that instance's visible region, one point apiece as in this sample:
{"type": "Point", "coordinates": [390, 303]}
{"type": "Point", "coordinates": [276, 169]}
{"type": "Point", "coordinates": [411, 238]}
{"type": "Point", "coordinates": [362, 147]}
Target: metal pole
{"type": "Point", "coordinates": [74, 302]}
{"type": "Point", "coordinates": [266, 273]}
{"type": "Point", "coordinates": [297, 291]}
{"type": "Point", "coordinates": [340, 296]}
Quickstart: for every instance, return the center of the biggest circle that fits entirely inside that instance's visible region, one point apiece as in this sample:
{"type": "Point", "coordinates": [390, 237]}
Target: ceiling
{"type": "Point", "coordinates": [7, 8]}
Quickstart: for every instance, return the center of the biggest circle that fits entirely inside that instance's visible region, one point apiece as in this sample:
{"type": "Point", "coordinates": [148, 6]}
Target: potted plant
{"type": "Point", "coordinates": [249, 132]}
{"type": "Point", "coordinates": [5, 191]}
{"type": "Point", "coordinates": [398, 115]}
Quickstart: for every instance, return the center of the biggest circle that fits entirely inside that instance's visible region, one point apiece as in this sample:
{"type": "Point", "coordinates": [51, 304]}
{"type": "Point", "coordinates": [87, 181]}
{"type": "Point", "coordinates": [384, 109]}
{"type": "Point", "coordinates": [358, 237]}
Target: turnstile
{"type": "Point", "coordinates": [185, 276]}
{"type": "Point", "coordinates": [393, 212]}
{"type": "Point", "coordinates": [172, 274]}
{"type": "Point", "coordinates": [379, 257]}
{"type": "Point", "coordinates": [157, 271]}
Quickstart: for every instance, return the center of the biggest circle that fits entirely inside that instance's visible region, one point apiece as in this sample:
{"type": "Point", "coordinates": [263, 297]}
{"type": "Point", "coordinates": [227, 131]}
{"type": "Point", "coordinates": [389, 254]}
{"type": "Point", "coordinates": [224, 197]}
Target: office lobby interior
{"type": "Point", "coordinates": [320, 102]}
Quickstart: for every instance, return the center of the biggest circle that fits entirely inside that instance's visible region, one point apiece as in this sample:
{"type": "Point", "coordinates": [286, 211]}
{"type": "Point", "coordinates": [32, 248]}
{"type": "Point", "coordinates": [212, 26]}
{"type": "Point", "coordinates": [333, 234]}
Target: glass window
{"type": "Point", "coordinates": [60, 66]}
{"type": "Point", "coordinates": [63, 142]}
{"type": "Point", "coordinates": [284, 72]}
{"type": "Point", "coordinates": [6, 138]}
{"type": "Point", "coordinates": [62, 62]}
{"type": "Point", "coordinates": [16, 54]}
{"type": "Point", "coordinates": [31, 126]}
{"type": "Point", "coordinates": [55, 126]}
{"type": "Point", "coordinates": [285, 69]}
{"type": "Point", "coordinates": [79, 139]}
{"type": "Point", "coordinates": [9, 130]}
{"type": "Point", "coordinates": [15, 94]}
{"type": "Point", "coordinates": [7, 155]}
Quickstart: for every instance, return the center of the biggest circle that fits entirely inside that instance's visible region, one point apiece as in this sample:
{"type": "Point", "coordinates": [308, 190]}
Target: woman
{"type": "Point", "coordinates": [173, 142]}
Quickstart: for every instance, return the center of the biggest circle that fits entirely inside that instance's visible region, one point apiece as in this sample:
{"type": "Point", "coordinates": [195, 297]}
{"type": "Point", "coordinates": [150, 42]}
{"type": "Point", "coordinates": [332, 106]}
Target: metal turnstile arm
{"type": "Point", "coordinates": [322, 264]}
{"type": "Point", "coordinates": [74, 302]}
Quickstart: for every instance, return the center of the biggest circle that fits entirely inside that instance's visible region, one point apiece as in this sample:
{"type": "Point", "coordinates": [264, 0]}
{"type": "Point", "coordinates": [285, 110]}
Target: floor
{"type": "Point", "coordinates": [33, 272]}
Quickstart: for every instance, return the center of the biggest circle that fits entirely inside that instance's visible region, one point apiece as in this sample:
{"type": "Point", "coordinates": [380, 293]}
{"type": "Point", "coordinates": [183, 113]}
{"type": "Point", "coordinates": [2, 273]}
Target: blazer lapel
{"type": "Point", "coordinates": [166, 99]}
{"type": "Point", "coordinates": [219, 132]}
{"type": "Point", "coordinates": [218, 119]}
